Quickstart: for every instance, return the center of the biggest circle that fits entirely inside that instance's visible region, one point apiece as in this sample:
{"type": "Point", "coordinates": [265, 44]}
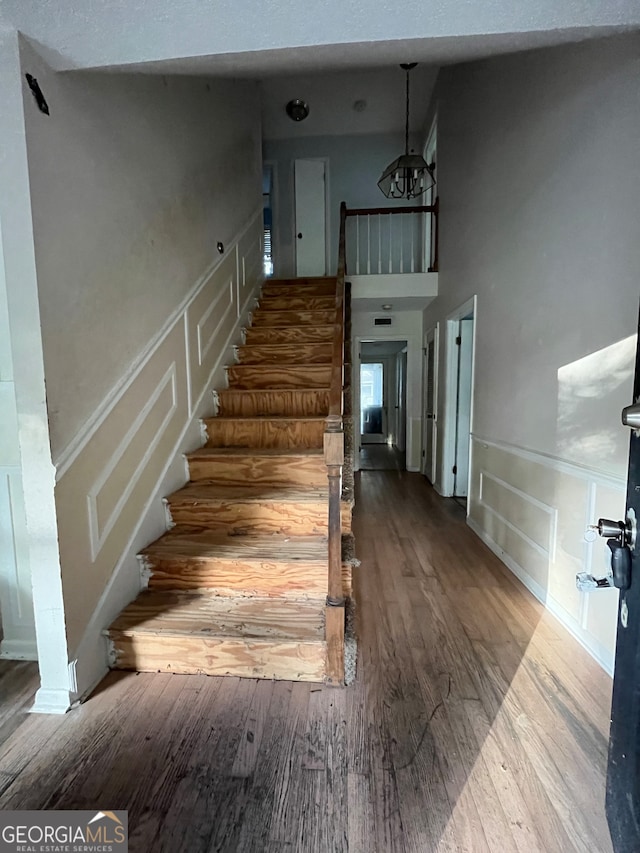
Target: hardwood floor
{"type": "Point", "coordinates": [476, 722]}
{"type": "Point", "coordinates": [381, 457]}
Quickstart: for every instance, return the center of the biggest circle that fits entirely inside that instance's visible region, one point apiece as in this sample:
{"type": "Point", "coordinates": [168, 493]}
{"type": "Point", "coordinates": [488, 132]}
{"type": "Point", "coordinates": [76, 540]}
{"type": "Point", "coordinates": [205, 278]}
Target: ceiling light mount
{"type": "Point", "coordinates": [408, 176]}
{"type": "Point", "coordinates": [297, 109]}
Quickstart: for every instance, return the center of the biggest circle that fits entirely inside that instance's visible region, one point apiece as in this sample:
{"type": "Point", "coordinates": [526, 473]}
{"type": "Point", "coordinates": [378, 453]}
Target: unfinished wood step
{"type": "Point", "coordinates": [261, 466]}
{"type": "Point", "coordinates": [325, 287]}
{"type": "Point", "coordinates": [289, 334]}
{"type": "Point", "coordinates": [250, 376]}
{"type": "Point", "coordinates": [196, 632]}
{"type": "Point", "coordinates": [288, 402]}
{"type": "Point", "coordinates": [292, 567]}
{"type": "Point", "coordinates": [296, 287]}
{"type": "Point", "coordinates": [253, 510]}
{"type": "Point", "coordinates": [302, 353]}
{"type": "Point", "coordinates": [261, 317]}
{"type": "Point", "coordinates": [268, 432]}
{"type": "Point", "coordinates": [297, 302]}
{"type": "Point", "coordinates": [249, 510]}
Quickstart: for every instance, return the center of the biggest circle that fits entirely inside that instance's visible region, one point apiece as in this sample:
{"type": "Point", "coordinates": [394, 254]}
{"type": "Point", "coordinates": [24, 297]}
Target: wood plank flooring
{"type": "Point", "coordinates": [476, 723]}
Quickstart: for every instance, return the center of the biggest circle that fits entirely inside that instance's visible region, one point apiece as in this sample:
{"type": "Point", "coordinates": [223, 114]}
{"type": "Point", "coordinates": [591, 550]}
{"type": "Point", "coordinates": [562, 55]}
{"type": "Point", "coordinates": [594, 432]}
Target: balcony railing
{"type": "Point", "coordinates": [392, 240]}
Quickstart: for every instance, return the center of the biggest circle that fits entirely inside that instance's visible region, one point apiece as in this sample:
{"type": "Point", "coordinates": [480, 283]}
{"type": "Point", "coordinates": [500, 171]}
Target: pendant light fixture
{"type": "Point", "coordinates": [408, 176]}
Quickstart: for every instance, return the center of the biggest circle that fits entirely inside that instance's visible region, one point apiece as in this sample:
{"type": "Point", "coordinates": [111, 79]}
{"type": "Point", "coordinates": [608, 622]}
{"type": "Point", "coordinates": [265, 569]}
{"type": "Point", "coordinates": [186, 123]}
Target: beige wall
{"type": "Point", "coordinates": [540, 199]}
{"type": "Point", "coordinates": [133, 181]}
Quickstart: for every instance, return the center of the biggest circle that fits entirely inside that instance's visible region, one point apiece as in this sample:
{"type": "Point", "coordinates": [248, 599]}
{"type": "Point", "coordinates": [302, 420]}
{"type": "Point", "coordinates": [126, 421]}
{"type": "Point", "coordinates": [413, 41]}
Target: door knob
{"type": "Point", "coordinates": [624, 532]}
{"type": "Point", "coordinates": [631, 416]}
{"type": "Point", "coordinates": [621, 539]}
{"type": "Point", "coordinates": [299, 235]}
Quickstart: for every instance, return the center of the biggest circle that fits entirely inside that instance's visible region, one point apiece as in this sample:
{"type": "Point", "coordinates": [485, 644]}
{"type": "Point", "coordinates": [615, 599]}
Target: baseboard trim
{"type": "Point", "coordinates": [18, 650]}
{"type": "Point", "coordinates": [598, 652]}
{"type": "Point", "coordinates": [50, 701]}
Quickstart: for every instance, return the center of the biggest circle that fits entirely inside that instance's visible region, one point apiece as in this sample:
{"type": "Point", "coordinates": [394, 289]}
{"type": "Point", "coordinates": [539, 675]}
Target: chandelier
{"type": "Point", "coordinates": [408, 176]}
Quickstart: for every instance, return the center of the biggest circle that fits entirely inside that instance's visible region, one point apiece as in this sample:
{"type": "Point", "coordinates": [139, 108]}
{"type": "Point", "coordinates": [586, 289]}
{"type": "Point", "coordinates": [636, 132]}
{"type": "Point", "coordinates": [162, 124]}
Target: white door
{"type": "Point", "coordinates": [430, 404]}
{"type": "Point", "coordinates": [401, 400]}
{"type": "Point", "coordinates": [463, 424]}
{"type": "Point", "coordinates": [309, 178]}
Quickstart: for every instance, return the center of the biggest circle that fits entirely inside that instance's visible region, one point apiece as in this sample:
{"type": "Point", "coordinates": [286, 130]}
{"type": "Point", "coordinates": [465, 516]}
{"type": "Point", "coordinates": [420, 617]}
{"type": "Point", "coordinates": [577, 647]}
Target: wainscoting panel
{"type": "Point", "coordinates": [19, 640]}
{"type": "Point", "coordinates": [16, 599]}
{"type": "Point", "coordinates": [117, 470]}
{"type": "Point", "coordinates": [249, 261]}
{"type": "Point", "coordinates": [211, 317]}
{"type": "Point", "coordinates": [103, 494]}
{"type": "Point", "coordinates": [533, 511]}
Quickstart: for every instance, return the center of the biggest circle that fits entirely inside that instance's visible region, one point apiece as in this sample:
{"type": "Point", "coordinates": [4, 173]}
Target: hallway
{"type": "Point", "coordinates": [476, 723]}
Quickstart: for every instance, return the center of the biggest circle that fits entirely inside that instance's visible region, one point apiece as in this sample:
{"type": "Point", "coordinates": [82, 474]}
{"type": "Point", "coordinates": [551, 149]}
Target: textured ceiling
{"type": "Point", "coordinates": [277, 36]}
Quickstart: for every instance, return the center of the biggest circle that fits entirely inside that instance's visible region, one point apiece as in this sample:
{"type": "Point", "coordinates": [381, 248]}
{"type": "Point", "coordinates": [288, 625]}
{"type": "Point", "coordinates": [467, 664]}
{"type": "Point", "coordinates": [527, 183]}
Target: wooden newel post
{"type": "Point", "coordinates": [335, 609]}
{"type": "Point", "coordinates": [334, 459]}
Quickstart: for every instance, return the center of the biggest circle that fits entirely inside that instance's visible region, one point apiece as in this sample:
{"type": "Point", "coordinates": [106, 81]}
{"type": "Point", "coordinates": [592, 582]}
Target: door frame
{"type": "Point", "coordinates": [327, 217]}
{"type": "Point", "coordinates": [355, 384]}
{"type": "Point", "coordinates": [435, 331]}
{"type": "Point", "coordinates": [446, 486]}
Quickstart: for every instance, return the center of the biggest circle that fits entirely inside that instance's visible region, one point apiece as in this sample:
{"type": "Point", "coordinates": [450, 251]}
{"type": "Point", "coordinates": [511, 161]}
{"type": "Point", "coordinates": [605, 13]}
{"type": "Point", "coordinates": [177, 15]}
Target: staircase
{"type": "Point", "coordinates": [238, 585]}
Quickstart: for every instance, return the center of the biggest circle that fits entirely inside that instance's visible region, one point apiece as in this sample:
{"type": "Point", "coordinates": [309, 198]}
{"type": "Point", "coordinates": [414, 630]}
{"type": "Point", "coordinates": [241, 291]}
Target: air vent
{"type": "Point", "coordinates": [382, 321]}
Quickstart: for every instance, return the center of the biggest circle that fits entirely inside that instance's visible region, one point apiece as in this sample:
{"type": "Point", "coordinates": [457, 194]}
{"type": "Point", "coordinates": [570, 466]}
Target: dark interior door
{"type": "Point", "coordinates": [623, 772]}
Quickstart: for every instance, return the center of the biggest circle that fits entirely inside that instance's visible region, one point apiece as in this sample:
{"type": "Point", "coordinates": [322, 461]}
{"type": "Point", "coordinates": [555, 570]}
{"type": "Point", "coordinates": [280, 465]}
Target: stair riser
{"type": "Point", "coordinates": [289, 335]}
{"type": "Point", "coordinates": [244, 659]}
{"type": "Point", "coordinates": [248, 518]}
{"type": "Point", "coordinates": [304, 282]}
{"type": "Point", "coordinates": [295, 404]}
{"type": "Point", "coordinates": [288, 353]}
{"type": "Point", "coordinates": [297, 303]}
{"type": "Point", "coordinates": [238, 577]}
{"type": "Point", "coordinates": [237, 518]}
{"type": "Point", "coordinates": [284, 290]}
{"type": "Point", "coordinates": [276, 435]}
{"type": "Point", "coordinates": [293, 318]}
{"type": "Point", "coordinates": [250, 376]}
{"type": "Point", "coordinates": [271, 471]}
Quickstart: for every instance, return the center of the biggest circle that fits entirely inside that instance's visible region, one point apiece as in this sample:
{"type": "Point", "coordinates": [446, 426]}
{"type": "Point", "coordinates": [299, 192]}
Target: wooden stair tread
{"type": "Point", "coordinates": [280, 418]}
{"type": "Point", "coordinates": [281, 365]}
{"type": "Point", "coordinates": [202, 492]}
{"type": "Point", "coordinates": [302, 280]}
{"type": "Point", "coordinates": [212, 452]}
{"type": "Point", "coordinates": [324, 326]}
{"type": "Point", "coordinates": [208, 544]}
{"type": "Point", "coordinates": [204, 614]}
{"type": "Point", "coordinates": [274, 390]}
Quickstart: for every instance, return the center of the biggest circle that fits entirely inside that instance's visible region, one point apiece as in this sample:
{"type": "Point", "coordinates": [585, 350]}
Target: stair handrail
{"type": "Point", "coordinates": [334, 460]}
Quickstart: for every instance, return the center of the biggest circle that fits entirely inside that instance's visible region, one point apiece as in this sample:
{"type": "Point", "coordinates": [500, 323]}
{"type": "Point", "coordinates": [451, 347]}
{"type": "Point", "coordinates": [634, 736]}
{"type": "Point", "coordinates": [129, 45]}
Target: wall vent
{"type": "Point", "coordinates": [382, 321]}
